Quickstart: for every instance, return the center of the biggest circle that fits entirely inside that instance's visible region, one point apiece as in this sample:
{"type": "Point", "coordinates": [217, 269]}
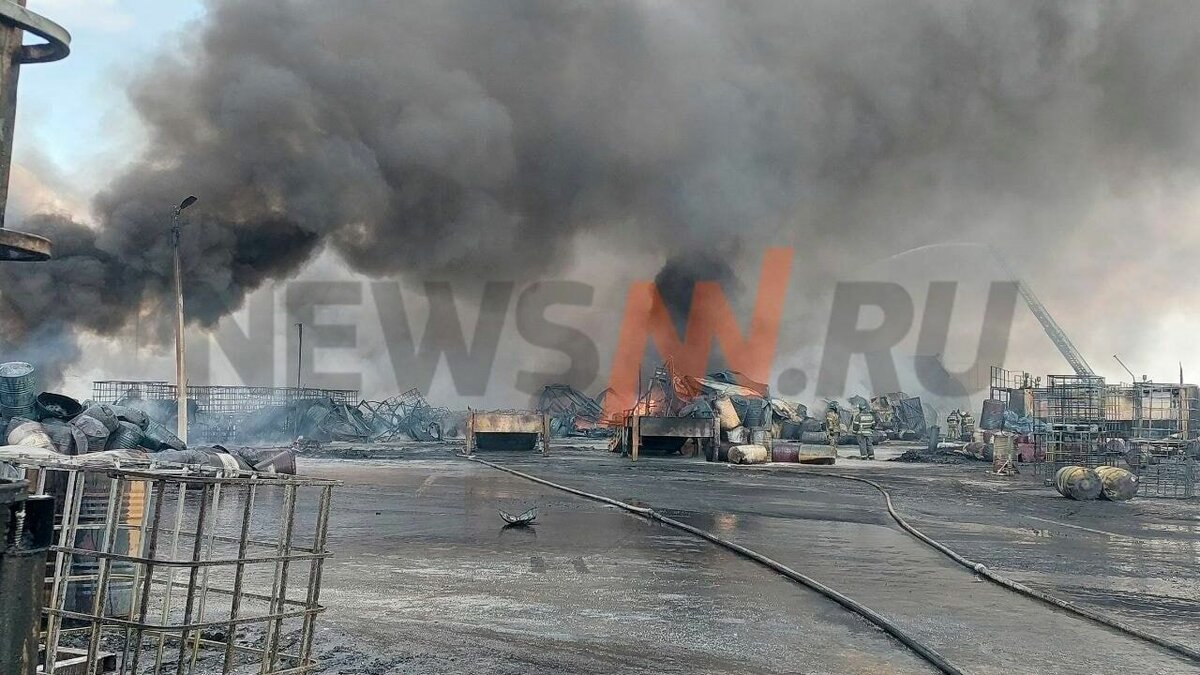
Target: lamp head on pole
{"type": "Point", "coordinates": [191, 199]}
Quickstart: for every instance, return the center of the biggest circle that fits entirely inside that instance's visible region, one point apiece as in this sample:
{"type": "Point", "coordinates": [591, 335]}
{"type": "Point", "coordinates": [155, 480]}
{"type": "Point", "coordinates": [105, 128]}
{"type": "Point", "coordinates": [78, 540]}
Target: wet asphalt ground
{"type": "Point", "coordinates": [426, 579]}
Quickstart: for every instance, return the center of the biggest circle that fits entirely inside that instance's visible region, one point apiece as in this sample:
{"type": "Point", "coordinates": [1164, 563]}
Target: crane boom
{"type": "Point", "coordinates": [1053, 330]}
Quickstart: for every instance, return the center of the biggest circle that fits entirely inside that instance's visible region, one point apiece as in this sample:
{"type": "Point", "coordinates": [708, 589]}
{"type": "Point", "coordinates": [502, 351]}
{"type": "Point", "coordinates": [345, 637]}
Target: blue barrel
{"type": "Point", "coordinates": [17, 395]}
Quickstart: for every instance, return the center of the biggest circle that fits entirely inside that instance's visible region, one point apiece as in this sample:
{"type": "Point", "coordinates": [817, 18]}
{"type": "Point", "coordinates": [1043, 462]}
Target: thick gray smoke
{"type": "Point", "coordinates": [479, 137]}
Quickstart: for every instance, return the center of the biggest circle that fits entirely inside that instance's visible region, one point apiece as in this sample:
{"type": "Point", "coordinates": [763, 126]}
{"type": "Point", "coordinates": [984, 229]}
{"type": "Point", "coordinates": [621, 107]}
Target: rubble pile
{"type": "Point", "coordinates": [572, 412]}
{"type": "Point", "coordinates": [55, 424]}
{"type": "Point", "coordinates": [410, 415]}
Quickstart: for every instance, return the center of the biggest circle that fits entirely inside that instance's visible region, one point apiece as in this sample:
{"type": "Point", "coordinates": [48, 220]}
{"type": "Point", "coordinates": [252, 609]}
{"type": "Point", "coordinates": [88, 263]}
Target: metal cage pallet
{"type": "Point", "coordinates": [217, 399]}
{"type": "Point", "coordinates": [183, 569]}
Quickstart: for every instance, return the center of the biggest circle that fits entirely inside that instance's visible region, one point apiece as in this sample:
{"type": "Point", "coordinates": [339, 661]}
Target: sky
{"type": "Point", "coordinates": [76, 129]}
{"type": "Point", "coordinates": [73, 117]}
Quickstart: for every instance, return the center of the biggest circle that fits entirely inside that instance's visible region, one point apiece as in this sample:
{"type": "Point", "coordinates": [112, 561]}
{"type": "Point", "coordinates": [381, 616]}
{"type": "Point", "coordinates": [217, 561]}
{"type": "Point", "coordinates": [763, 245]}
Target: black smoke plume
{"type": "Point", "coordinates": [479, 137]}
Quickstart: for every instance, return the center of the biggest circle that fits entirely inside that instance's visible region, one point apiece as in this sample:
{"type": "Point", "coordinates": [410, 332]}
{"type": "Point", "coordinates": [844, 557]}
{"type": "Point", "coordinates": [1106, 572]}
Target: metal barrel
{"type": "Point", "coordinates": [24, 538]}
{"type": "Point", "coordinates": [94, 431]}
{"type": "Point", "coordinates": [30, 435]}
{"type": "Point", "coordinates": [104, 413]}
{"type": "Point", "coordinates": [785, 452]}
{"type": "Point", "coordinates": [17, 385]}
{"type": "Point", "coordinates": [59, 433]}
{"type": "Point", "coordinates": [161, 438]}
{"type": "Point", "coordinates": [727, 413]}
{"type": "Point", "coordinates": [56, 406]}
{"type": "Point", "coordinates": [1077, 482]}
{"type": "Point", "coordinates": [133, 415]}
{"type": "Point", "coordinates": [93, 518]}
{"type": "Point", "coordinates": [1117, 484]}
{"type": "Point", "coordinates": [127, 437]}
{"type": "Point", "coordinates": [13, 424]}
{"type": "Point", "coordinates": [749, 454]}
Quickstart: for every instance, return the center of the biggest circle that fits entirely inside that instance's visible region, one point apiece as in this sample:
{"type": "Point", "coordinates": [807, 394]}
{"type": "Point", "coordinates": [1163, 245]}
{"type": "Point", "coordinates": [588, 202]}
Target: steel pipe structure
{"type": "Point", "coordinates": [15, 21]}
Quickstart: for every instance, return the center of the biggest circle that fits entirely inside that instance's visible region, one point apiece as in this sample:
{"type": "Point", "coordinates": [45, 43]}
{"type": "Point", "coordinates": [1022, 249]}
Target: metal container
{"type": "Point", "coordinates": [738, 435]}
{"type": "Point", "coordinates": [132, 415]}
{"type": "Point", "coordinates": [104, 413]}
{"type": "Point", "coordinates": [727, 413]}
{"type": "Point", "coordinates": [30, 435]}
{"type": "Point", "coordinates": [749, 454]}
{"type": "Point", "coordinates": [93, 517]}
{"type": "Point", "coordinates": [1117, 484]}
{"type": "Point", "coordinates": [159, 437]}
{"type": "Point", "coordinates": [127, 437]}
{"type": "Point", "coordinates": [14, 423]}
{"type": "Point", "coordinates": [17, 385]}
{"type": "Point", "coordinates": [785, 452]}
{"type": "Point", "coordinates": [94, 431]}
{"type": "Point", "coordinates": [26, 529]}
{"type": "Point", "coordinates": [56, 406]}
{"type": "Point", "coordinates": [1077, 482]}
{"type": "Point", "coordinates": [60, 434]}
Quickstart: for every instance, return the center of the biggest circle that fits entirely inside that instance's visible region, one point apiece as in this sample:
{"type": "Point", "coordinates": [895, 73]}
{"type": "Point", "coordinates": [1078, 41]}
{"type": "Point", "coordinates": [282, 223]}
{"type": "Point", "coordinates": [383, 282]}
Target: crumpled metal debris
{"type": "Point", "coordinates": [409, 414]}
{"type": "Point", "coordinates": [572, 412]}
{"type": "Point", "coordinates": [525, 518]}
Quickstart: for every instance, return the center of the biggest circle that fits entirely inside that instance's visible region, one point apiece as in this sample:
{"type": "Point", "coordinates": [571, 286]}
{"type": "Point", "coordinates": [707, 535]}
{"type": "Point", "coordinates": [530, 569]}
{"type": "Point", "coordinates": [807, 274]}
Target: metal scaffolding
{"type": "Point", "coordinates": [183, 569]}
{"type": "Point", "coordinates": [1002, 382]}
{"type": "Point", "coordinates": [1155, 424]}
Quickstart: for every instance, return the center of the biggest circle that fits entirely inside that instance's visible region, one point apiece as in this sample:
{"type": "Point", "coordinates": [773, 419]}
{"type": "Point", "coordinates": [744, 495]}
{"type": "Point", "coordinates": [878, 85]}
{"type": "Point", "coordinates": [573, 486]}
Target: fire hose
{"type": "Point", "coordinates": [983, 571]}
{"type": "Point", "coordinates": [925, 652]}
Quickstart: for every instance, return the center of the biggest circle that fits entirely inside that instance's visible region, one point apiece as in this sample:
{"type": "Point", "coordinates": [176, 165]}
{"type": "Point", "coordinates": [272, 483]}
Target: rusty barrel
{"type": "Point", "coordinates": [749, 454]}
{"type": "Point", "coordinates": [785, 452]}
{"type": "Point", "coordinates": [727, 413]}
{"type": "Point", "coordinates": [17, 384]}
{"type": "Point", "coordinates": [1077, 482]}
{"type": "Point", "coordinates": [1117, 484]}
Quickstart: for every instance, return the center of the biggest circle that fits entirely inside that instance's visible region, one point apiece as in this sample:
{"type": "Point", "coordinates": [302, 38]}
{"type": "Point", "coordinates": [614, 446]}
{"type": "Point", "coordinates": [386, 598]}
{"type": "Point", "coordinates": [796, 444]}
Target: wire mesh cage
{"type": "Point", "coordinates": [1071, 427]}
{"type": "Point", "coordinates": [217, 400]}
{"type": "Point", "coordinates": [1167, 478]}
{"type": "Point", "coordinates": [182, 569]}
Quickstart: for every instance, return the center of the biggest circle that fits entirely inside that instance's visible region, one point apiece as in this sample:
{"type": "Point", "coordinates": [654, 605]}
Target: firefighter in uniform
{"type": "Point", "coordinates": [954, 426]}
{"type": "Point", "coordinates": [833, 425]}
{"type": "Point", "coordinates": [967, 421]}
{"type": "Point", "coordinates": [863, 427]}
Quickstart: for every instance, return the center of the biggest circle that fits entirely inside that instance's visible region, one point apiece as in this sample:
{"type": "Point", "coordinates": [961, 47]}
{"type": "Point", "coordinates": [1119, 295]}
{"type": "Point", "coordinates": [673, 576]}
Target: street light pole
{"type": "Point", "coordinates": [299, 352]}
{"type": "Point", "coordinates": [181, 415]}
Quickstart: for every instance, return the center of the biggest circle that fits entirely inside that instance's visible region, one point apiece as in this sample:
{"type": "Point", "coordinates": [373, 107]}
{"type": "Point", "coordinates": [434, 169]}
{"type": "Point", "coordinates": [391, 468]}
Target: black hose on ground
{"type": "Point", "coordinates": [985, 572]}
{"type": "Point", "coordinates": [927, 653]}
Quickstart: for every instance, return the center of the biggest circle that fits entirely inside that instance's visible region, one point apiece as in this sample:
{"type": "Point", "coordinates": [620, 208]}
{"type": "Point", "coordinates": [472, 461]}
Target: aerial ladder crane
{"type": "Point", "coordinates": [1053, 330]}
